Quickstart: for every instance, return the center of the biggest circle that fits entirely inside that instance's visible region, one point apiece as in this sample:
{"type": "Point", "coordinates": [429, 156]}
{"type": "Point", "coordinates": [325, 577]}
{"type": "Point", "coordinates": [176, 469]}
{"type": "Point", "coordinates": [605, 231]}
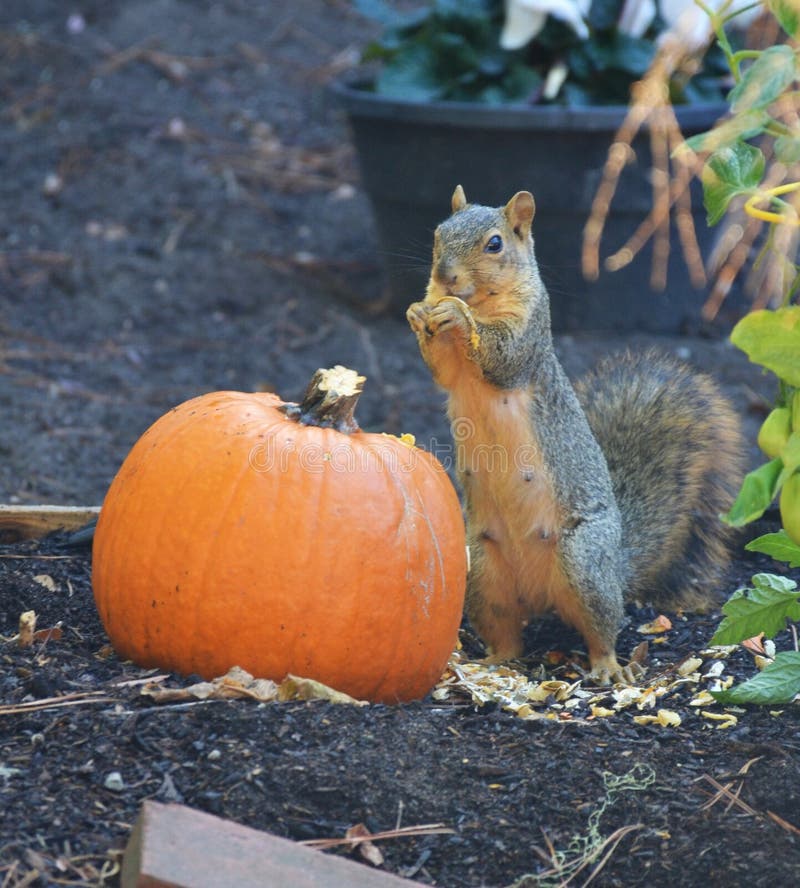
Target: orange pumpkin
{"type": "Point", "coordinates": [241, 530]}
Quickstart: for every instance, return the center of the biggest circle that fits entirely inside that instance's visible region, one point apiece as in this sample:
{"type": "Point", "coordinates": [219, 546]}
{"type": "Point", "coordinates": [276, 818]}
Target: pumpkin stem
{"type": "Point", "coordinates": [330, 400]}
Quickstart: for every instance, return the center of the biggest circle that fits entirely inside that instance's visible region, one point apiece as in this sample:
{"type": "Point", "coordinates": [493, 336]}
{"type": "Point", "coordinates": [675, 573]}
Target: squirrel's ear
{"type": "Point", "coordinates": [459, 199]}
{"type": "Point", "coordinates": [519, 212]}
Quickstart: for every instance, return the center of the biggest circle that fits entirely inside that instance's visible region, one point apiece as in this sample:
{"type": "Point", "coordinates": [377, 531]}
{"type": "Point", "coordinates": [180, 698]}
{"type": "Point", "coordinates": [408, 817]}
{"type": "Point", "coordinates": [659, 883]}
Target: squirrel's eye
{"type": "Point", "coordinates": [494, 244]}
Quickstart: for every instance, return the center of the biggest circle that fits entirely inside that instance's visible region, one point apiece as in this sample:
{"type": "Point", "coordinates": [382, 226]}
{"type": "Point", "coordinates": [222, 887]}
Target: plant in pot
{"type": "Point", "coordinates": [532, 94]}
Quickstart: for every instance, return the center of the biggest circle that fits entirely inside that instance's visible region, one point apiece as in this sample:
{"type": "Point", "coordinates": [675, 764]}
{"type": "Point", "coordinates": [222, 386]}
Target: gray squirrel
{"type": "Point", "coordinates": [577, 499]}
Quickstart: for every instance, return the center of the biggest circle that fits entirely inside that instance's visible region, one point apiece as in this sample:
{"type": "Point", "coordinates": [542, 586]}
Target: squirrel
{"type": "Point", "coordinates": [576, 499]}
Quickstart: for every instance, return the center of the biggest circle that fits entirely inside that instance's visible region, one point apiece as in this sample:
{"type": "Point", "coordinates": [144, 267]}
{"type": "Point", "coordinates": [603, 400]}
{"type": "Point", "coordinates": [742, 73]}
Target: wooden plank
{"type": "Point", "coordinates": [32, 522]}
{"type": "Point", "coordinates": [172, 846]}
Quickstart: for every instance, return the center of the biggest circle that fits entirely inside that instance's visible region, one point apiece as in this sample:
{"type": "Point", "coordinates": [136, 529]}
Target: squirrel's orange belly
{"type": "Point", "coordinates": [523, 544]}
{"type": "Point", "coordinates": [512, 513]}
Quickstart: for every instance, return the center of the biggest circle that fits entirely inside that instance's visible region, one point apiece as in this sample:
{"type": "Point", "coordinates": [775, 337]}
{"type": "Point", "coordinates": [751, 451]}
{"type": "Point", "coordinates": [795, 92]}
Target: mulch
{"type": "Point", "coordinates": [83, 747]}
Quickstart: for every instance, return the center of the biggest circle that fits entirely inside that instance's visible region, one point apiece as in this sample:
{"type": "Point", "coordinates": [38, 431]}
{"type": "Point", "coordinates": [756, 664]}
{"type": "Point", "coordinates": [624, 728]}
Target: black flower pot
{"type": "Point", "coordinates": [412, 155]}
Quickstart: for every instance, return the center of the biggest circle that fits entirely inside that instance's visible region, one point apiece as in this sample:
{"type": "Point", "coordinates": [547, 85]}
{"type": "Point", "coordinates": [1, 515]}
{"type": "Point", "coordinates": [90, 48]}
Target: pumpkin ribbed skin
{"type": "Point", "coordinates": [233, 535]}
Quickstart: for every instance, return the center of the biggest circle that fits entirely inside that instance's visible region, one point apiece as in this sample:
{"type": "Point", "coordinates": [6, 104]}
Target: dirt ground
{"type": "Point", "coordinates": [181, 212]}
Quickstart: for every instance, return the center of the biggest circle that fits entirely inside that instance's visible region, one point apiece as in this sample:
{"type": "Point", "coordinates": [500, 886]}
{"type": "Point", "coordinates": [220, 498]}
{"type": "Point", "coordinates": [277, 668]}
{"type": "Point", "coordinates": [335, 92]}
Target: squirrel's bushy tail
{"type": "Point", "coordinates": [674, 451]}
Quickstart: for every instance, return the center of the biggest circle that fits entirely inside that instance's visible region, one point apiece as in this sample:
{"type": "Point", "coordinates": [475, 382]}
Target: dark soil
{"type": "Point", "coordinates": [181, 212]}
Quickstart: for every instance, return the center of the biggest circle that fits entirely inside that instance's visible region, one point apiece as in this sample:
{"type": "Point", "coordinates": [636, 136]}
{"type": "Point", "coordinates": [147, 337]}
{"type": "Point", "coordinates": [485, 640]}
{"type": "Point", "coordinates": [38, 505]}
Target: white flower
{"type": "Point", "coordinates": [525, 18]}
{"type": "Point", "coordinates": [687, 22]}
{"type": "Point", "coordinates": [636, 16]}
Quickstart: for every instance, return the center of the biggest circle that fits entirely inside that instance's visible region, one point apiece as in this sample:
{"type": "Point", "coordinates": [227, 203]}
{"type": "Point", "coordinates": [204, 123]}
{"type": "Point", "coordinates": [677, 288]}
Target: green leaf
{"type": "Point", "coordinates": [778, 546]}
{"type": "Point", "coordinates": [777, 683]}
{"type": "Point", "coordinates": [764, 608]}
{"type": "Point", "coordinates": [603, 15]}
{"type": "Point", "coordinates": [765, 80]}
{"type": "Point", "coordinates": [736, 169]}
{"type": "Point", "coordinates": [774, 583]}
{"type": "Point", "coordinates": [410, 75]}
{"type": "Point", "coordinates": [520, 83]}
{"type": "Point", "coordinates": [772, 339]}
{"type": "Point", "coordinates": [470, 18]}
{"type": "Point", "coordinates": [787, 149]}
{"type": "Point", "coordinates": [757, 492]}
{"type": "Point", "coordinates": [454, 56]}
{"type": "Point", "coordinates": [787, 12]}
{"type": "Point", "coordinates": [742, 126]}
{"type": "Point", "coordinates": [620, 52]}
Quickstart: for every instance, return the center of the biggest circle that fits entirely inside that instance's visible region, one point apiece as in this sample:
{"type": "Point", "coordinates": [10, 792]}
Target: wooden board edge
{"type": "Point", "coordinates": [173, 846]}
{"type": "Point", "coordinates": [33, 522]}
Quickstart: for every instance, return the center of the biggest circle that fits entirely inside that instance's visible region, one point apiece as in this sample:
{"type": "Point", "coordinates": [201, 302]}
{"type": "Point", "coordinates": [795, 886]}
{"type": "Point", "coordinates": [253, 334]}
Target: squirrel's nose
{"type": "Point", "coordinates": [446, 273]}
{"type": "Point", "coordinates": [452, 277]}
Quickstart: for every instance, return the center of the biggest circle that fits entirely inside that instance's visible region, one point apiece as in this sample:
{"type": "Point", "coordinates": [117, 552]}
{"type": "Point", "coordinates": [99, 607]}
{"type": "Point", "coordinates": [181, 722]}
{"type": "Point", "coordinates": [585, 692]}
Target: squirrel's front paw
{"type": "Point", "coordinates": [446, 316]}
{"type": "Point", "coordinates": [449, 314]}
{"type": "Point", "coordinates": [428, 318]}
{"type": "Point", "coordinates": [417, 316]}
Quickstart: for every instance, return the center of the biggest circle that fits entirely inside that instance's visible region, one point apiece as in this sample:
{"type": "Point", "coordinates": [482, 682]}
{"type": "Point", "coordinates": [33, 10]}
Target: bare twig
{"type": "Point", "coordinates": [611, 845]}
{"type": "Point", "coordinates": [77, 699]}
{"type": "Point", "coordinates": [567, 870]}
{"type": "Point", "coordinates": [784, 824]}
{"type": "Point", "coordinates": [673, 170]}
{"type": "Point", "coordinates": [725, 792]}
{"type": "Point", "coordinates": [671, 175]}
{"type": "Point", "coordinates": [426, 829]}
{"type": "Point", "coordinates": [176, 68]}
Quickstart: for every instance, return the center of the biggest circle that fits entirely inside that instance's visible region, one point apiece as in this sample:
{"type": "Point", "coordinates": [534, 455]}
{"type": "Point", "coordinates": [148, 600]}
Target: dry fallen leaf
{"type": "Point", "coordinates": [689, 666]}
{"type": "Point", "coordinates": [665, 717]}
{"type": "Point", "coordinates": [47, 581]}
{"type": "Point", "coordinates": [27, 629]}
{"type": "Point", "coordinates": [527, 711]}
{"type": "Point", "coordinates": [601, 711]}
{"type": "Point", "coordinates": [294, 687]}
{"type": "Point", "coordinates": [558, 690]}
{"type": "Point", "coordinates": [719, 651]}
{"type": "Point", "coordinates": [235, 684]}
{"type": "Point", "coordinates": [715, 669]}
{"type": "Point", "coordinates": [755, 644]}
{"type": "Point", "coordinates": [366, 849]}
{"type": "Point", "coordinates": [702, 699]}
{"type": "Point", "coordinates": [640, 653]}
{"type": "Point", "coordinates": [725, 719]}
{"type": "Point", "coordinates": [54, 633]}
{"type": "Point", "coordinates": [625, 697]}
{"type": "Point", "coordinates": [657, 626]}
{"type": "Point", "coordinates": [649, 698]}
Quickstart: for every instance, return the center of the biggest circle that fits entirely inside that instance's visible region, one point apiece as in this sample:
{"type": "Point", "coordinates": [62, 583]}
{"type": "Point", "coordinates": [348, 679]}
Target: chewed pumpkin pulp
{"type": "Point", "coordinates": [242, 530]}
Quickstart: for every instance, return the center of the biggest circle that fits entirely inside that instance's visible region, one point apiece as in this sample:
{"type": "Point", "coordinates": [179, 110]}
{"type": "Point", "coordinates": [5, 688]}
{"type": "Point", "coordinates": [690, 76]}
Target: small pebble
{"type": "Point", "coordinates": [52, 185]}
{"type": "Point", "coordinates": [114, 782]}
{"type": "Point", "coordinates": [76, 23]}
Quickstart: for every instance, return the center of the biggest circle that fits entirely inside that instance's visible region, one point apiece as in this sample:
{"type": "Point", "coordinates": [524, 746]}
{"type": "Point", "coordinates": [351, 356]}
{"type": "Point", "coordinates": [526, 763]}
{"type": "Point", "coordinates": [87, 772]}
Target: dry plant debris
{"type": "Point", "coordinates": [686, 685]}
{"type": "Point", "coordinates": [239, 684]}
{"type": "Point", "coordinates": [671, 176]}
{"type": "Point", "coordinates": [675, 166]}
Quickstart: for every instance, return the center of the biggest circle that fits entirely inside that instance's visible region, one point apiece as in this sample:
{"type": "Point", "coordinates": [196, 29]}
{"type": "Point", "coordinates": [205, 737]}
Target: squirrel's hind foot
{"type": "Point", "coordinates": [607, 671]}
